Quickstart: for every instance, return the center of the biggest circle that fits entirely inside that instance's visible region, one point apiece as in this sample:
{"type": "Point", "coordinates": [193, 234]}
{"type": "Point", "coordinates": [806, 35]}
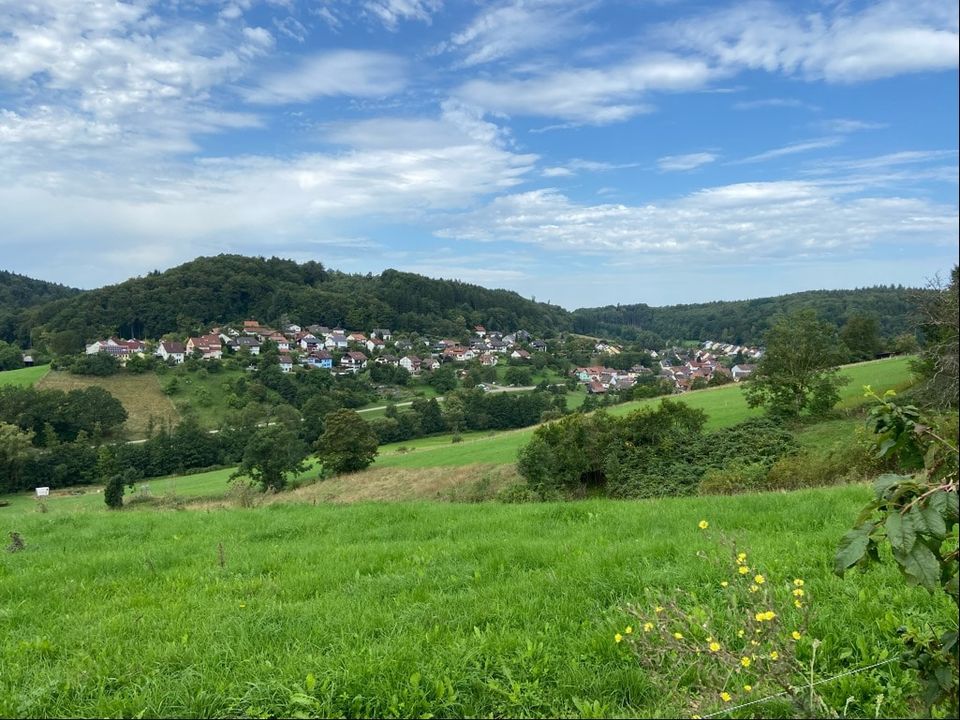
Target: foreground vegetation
{"type": "Point", "coordinates": [409, 609]}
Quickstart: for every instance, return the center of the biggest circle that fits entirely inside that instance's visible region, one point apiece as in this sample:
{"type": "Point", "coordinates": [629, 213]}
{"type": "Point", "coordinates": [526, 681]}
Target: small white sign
{"type": "Point", "coordinates": [43, 492]}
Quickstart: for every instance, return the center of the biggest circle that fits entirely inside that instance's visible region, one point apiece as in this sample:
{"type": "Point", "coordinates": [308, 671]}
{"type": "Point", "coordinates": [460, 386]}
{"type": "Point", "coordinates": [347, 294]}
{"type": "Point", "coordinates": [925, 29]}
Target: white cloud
{"type": "Point", "coordinates": [588, 95]}
{"type": "Point", "coordinates": [356, 73]}
{"type": "Point", "coordinates": [846, 125]}
{"type": "Point", "coordinates": [838, 45]}
{"type": "Point", "coordinates": [255, 202]}
{"type": "Point", "coordinates": [680, 163]}
{"type": "Point", "coordinates": [747, 221]}
{"type": "Point", "coordinates": [505, 29]}
{"type": "Point", "coordinates": [392, 12]}
{"type": "Point", "coordinates": [772, 102]}
{"type": "Point", "coordinates": [793, 149]}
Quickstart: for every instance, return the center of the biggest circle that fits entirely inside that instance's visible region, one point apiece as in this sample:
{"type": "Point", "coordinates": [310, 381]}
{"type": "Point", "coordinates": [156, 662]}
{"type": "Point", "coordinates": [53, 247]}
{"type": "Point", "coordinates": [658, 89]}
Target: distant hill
{"type": "Point", "coordinates": [18, 292]}
{"type": "Point", "coordinates": [746, 321]}
{"type": "Point", "coordinates": [229, 288]}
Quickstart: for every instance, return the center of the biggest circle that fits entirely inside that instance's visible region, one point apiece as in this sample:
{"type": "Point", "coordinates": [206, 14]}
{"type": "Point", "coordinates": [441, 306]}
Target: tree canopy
{"type": "Point", "coordinates": [798, 372]}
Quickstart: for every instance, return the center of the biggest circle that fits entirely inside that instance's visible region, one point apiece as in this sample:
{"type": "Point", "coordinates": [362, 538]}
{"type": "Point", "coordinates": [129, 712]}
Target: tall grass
{"type": "Point", "coordinates": [407, 609]}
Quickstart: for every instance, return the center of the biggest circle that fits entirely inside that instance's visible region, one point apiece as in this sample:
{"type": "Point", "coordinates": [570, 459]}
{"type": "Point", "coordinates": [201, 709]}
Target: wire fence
{"type": "Point", "coordinates": [725, 711]}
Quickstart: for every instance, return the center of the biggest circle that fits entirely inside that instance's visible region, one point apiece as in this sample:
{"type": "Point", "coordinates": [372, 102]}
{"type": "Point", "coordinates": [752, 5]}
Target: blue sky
{"type": "Point", "coordinates": [583, 153]}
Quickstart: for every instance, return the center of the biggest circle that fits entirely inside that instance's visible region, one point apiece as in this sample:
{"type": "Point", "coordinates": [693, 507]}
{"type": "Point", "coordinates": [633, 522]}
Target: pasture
{"type": "Point", "coordinates": [24, 377]}
{"type": "Point", "coordinates": [724, 406]}
{"type": "Point", "coordinates": [410, 609]}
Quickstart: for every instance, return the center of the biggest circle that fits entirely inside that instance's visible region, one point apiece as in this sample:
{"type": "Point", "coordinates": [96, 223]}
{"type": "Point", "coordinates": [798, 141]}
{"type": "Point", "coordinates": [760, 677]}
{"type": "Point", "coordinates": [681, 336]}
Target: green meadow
{"type": "Point", "coordinates": [724, 406]}
{"type": "Point", "coordinates": [412, 609]}
{"type": "Point", "coordinates": [24, 377]}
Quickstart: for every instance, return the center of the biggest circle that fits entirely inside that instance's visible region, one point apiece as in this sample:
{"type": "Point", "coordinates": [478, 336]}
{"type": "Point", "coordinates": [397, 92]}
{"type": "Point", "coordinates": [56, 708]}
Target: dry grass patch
{"type": "Point", "coordinates": [468, 483]}
{"type": "Point", "coordinates": [140, 395]}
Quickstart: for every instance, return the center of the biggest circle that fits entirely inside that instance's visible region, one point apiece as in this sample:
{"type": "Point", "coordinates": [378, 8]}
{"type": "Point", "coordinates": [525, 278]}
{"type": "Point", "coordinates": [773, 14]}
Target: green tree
{"type": "Point", "coordinates": [15, 447]}
{"type": "Point", "coordinates": [518, 376]}
{"type": "Point", "coordinates": [861, 335]}
{"type": "Point", "coordinates": [798, 372]}
{"type": "Point", "coordinates": [348, 443]}
{"type": "Point", "coordinates": [940, 355]}
{"type": "Point", "coordinates": [273, 453]}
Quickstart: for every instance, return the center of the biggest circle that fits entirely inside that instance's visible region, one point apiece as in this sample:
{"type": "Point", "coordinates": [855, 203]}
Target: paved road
{"type": "Point", "coordinates": [490, 390]}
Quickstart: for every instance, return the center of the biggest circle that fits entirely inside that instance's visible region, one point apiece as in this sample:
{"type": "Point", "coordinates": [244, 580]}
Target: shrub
{"type": "Point", "coordinates": [734, 478]}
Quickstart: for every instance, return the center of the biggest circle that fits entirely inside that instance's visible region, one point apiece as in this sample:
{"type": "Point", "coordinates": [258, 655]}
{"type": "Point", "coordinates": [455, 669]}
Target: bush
{"type": "Point", "coordinates": [735, 478]}
{"type": "Point", "coordinates": [844, 463]}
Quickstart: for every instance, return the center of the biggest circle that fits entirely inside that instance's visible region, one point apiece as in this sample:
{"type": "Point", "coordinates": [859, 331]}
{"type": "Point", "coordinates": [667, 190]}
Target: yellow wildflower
{"type": "Point", "coordinates": [798, 592]}
{"type": "Point", "coordinates": [703, 524]}
{"type": "Point", "coordinates": [658, 609]}
{"type": "Point", "coordinates": [714, 647]}
{"type": "Point", "coordinates": [739, 633]}
{"type": "Point", "coordinates": [647, 627]}
{"type": "Point", "coordinates": [745, 661]}
{"type": "Point", "coordinates": [743, 569]}
{"type": "Point", "coordinates": [723, 583]}
{"type": "Point", "coordinates": [747, 688]}
{"type": "Point", "coordinates": [618, 637]}
{"type": "Point", "coordinates": [798, 582]}
{"type": "Point", "coordinates": [759, 579]}
{"type": "Point", "coordinates": [797, 603]}
{"type": "Point", "coordinates": [628, 630]}
{"type": "Point", "coordinates": [678, 636]}
{"type": "Point", "coordinates": [754, 588]}
{"type": "Point", "coordinates": [725, 696]}
{"type": "Point", "coordinates": [754, 642]}
{"type": "Point", "coordinates": [795, 635]}
{"type": "Point", "coordinates": [765, 616]}
{"type": "Point", "coordinates": [741, 557]}
{"type": "Point", "coordinates": [774, 655]}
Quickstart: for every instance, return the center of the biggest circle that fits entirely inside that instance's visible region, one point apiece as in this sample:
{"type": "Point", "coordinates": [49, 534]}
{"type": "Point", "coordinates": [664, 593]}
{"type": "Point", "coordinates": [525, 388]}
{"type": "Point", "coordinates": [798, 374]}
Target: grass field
{"type": "Point", "coordinates": [140, 395]}
{"type": "Point", "coordinates": [411, 609]}
{"type": "Point", "coordinates": [24, 377]}
{"type": "Point", "coordinates": [202, 393]}
{"type": "Point", "coordinates": [724, 406]}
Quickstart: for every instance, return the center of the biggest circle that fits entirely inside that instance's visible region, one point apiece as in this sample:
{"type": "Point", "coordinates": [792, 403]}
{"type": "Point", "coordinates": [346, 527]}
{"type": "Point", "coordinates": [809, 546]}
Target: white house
{"type": "Point", "coordinates": [175, 350]}
{"type": "Point", "coordinates": [741, 371]}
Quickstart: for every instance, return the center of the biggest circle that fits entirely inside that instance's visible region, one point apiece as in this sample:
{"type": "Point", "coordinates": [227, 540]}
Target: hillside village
{"type": "Point", "coordinates": [349, 352]}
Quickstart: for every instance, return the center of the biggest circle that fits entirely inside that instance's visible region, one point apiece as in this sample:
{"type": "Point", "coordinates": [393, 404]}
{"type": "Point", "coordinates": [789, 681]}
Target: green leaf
{"type": "Point", "coordinates": [883, 483]}
{"type": "Point", "coordinates": [921, 566]}
{"type": "Point", "coordinates": [852, 547]}
{"type": "Point", "coordinates": [311, 682]}
{"type": "Point", "coordinates": [928, 521]}
{"type": "Point", "coordinates": [900, 532]}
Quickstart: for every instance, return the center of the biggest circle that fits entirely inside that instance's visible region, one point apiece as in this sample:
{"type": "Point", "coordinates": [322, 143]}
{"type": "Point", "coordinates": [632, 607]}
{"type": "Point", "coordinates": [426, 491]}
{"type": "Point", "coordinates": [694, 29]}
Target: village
{"type": "Point", "coordinates": [349, 352]}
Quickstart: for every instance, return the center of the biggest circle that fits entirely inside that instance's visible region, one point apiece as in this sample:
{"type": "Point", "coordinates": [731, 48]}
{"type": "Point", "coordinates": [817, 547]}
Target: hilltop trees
{"type": "Point", "coordinates": [798, 373]}
{"type": "Point", "coordinates": [940, 358]}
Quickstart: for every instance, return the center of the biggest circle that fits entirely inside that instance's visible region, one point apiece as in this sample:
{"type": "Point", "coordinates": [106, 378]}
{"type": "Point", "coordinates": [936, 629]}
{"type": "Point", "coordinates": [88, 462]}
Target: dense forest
{"type": "Point", "coordinates": [229, 288]}
{"type": "Point", "coordinates": [18, 292]}
{"type": "Point", "coordinates": [745, 321]}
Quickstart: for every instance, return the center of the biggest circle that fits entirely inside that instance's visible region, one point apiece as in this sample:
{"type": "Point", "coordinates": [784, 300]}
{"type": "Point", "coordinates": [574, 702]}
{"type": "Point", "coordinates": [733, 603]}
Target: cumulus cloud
{"type": "Point", "coordinates": [740, 221]}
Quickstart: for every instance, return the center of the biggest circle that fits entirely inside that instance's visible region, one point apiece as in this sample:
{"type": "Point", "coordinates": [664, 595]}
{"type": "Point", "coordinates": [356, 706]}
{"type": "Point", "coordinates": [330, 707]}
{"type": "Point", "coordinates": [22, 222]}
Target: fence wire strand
{"type": "Point", "coordinates": [725, 711]}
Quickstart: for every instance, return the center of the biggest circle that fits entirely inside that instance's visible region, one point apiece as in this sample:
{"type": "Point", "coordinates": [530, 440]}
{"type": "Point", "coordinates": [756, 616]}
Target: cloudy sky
{"type": "Point", "coordinates": [579, 152]}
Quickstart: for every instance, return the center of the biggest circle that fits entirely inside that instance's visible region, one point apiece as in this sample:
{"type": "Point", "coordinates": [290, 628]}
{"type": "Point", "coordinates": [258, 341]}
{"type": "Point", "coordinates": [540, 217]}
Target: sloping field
{"type": "Point", "coordinates": [724, 406]}
{"type": "Point", "coordinates": [410, 609]}
{"type": "Point", "coordinates": [24, 377]}
{"type": "Point", "coordinates": [140, 395]}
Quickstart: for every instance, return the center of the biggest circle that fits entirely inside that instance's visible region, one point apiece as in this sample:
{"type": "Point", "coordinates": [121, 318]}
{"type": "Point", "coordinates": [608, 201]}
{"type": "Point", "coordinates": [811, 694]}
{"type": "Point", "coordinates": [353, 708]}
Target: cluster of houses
{"type": "Point", "coordinates": [314, 346]}
{"type": "Point", "coordinates": [600, 380]}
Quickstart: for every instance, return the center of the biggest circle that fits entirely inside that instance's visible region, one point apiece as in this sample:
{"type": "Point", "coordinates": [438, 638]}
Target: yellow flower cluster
{"type": "Point", "coordinates": [765, 616]}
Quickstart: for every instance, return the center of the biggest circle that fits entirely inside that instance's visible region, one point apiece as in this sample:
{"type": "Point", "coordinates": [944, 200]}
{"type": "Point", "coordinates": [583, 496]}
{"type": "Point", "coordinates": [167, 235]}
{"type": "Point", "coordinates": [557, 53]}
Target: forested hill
{"type": "Point", "coordinates": [18, 292]}
{"type": "Point", "coordinates": [229, 288]}
{"type": "Point", "coordinates": [746, 321]}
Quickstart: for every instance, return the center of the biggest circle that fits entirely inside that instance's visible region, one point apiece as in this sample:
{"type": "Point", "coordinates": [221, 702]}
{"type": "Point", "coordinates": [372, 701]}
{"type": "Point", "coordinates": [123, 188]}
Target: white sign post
{"type": "Point", "coordinates": [43, 492]}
